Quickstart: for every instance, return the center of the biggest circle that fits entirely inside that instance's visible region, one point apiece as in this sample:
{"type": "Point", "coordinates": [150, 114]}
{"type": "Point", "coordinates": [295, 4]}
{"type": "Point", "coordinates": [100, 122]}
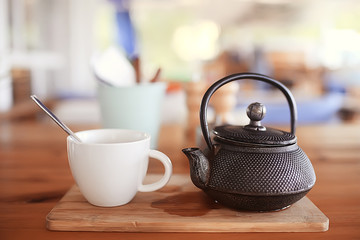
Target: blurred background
{"type": "Point", "coordinates": [46, 47]}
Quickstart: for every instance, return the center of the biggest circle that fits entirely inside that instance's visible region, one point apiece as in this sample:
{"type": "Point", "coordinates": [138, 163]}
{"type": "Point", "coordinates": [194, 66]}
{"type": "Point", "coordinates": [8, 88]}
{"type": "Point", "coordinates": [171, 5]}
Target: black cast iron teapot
{"type": "Point", "coordinates": [251, 167]}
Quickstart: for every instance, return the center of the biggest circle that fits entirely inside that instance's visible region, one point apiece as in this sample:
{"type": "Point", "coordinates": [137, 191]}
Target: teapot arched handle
{"type": "Point", "coordinates": [241, 76]}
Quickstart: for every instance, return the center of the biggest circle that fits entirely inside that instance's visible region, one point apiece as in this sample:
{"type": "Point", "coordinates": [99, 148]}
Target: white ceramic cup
{"type": "Point", "coordinates": [109, 165]}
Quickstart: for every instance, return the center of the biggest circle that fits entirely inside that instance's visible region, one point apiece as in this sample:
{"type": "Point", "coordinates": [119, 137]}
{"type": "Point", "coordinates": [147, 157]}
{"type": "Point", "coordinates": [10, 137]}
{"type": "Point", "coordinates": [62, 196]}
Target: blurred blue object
{"type": "Point", "coordinates": [316, 110]}
{"type": "Point", "coordinates": [341, 80]}
{"type": "Point", "coordinates": [125, 31]}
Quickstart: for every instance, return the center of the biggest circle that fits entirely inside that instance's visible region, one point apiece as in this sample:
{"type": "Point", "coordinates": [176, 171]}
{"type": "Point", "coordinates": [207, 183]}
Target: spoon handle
{"type": "Point", "coordinates": [53, 117]}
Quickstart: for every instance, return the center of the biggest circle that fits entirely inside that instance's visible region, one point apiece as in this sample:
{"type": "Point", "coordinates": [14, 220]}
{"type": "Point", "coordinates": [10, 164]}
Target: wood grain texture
{"type": "Point", "coordinates": [34, 176]}
{"type": "Point", "coordinates": [179, 207]}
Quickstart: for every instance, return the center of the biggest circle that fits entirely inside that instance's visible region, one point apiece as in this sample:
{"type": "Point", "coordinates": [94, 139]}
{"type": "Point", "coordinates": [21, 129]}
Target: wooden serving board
{"type": "Point", "coordinates": [179, 207]}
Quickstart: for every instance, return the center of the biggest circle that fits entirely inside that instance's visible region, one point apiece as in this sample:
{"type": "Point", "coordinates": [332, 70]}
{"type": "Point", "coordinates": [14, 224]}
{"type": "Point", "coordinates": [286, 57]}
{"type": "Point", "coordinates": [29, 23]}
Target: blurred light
{"type": "Point", "coordinates": [197, 41]}
{"type": "Point", "coordinates": [341, 48]}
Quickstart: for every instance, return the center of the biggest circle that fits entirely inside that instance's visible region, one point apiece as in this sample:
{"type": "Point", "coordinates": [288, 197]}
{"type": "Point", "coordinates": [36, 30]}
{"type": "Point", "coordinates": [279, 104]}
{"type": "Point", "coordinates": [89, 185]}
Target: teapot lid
{"type": "Point", "coordinates": [254, 133]}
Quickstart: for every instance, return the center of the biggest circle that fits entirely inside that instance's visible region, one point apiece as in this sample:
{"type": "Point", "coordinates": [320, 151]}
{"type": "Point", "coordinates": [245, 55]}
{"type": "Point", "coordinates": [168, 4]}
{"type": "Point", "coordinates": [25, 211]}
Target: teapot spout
{"type": "Point", "coordinates": [199, 166]}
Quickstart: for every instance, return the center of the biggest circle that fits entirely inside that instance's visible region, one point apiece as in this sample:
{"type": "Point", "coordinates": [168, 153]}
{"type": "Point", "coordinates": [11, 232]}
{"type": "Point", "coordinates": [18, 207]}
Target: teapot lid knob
{"type": "Point", "coordinates": [256, 112]}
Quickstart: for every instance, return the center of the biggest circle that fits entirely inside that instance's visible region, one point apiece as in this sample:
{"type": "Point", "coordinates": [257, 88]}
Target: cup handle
{"type": "Point", "coordinates": [165, 178]}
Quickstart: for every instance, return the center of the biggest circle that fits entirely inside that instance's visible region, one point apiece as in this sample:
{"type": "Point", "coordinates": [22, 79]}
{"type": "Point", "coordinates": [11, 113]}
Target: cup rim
{"type": "Point", "coordinates": [146, 136]}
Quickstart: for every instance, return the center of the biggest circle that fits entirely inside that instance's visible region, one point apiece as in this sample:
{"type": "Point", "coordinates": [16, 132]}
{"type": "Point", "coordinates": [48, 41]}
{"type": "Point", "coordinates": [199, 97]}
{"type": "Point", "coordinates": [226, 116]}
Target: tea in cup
{"type": "Point", "coordinates": [109, 165]}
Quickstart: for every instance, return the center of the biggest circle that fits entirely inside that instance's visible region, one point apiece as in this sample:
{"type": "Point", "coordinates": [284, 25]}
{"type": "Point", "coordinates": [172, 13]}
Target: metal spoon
{"type": "Point", "coordinates": [53, 117]}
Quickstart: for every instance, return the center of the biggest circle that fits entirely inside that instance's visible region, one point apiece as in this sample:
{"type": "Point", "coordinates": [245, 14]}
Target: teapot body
{"type": "Point", "coordinates": [251, 167]}
{"type": "Point", "coordinates": [259, 179]}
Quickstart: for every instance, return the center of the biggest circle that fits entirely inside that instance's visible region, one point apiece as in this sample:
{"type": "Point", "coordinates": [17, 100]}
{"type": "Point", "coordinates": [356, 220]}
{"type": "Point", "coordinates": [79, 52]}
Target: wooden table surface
{"type": "Point", "coordinates": [34, 175]}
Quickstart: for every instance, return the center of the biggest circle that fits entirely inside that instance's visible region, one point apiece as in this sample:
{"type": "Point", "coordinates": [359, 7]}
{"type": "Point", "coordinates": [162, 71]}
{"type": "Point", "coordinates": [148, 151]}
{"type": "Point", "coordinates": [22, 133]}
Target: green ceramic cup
{"type": "Point", "coordinates": [135, 107]}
